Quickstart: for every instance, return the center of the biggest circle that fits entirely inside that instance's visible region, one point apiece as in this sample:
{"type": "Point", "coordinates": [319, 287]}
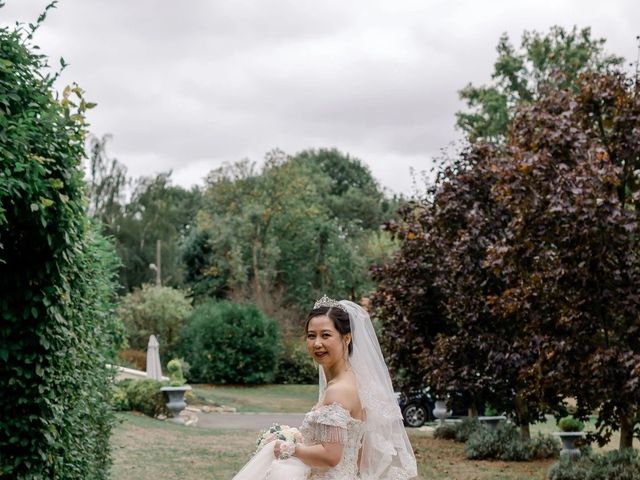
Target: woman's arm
{"type": "Point", "coordinates": [321, 455]}
{"type": "Point", "coordinates": [325, 454]}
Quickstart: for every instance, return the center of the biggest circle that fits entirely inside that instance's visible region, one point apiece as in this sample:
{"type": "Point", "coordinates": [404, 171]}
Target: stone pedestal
{"type": "Point", "coordinates": [492, 422]}
{"type": "Point", "coordinates": [568, 440]}
{"type": "Point", "coordinates": [176, 402]}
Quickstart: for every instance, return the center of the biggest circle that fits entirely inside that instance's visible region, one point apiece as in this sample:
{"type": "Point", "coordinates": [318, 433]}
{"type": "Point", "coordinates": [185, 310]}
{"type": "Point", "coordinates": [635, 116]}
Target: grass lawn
{"type": "Point", "coordinates": [265, 398]}
{"type": "Point", "coordinates": [148, 449]}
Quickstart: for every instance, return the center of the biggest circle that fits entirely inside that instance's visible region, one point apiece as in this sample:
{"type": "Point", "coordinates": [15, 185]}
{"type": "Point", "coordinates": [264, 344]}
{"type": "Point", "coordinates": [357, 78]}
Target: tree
{"type": "Point", "coordinates": [285, 231]}
{"type": "Point", "coordinates": [156, 211]}
{"type": "Point", "coordinates": [570, 255]}
{"type": "Point", "coordinates": [432, 298]}
{"type": "Point", "coordinates": [155, 310]}
{"type": "Point", "coordinates": [107, 183]}
{"type": "Point", "coordinates": [519, 75]}
{"type": "Point", "coordinates": [526, 263]}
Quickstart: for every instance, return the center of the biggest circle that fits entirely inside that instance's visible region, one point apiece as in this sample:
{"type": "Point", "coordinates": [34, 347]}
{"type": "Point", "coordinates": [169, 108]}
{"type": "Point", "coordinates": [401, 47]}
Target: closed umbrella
{"type": "Point", "coordinates": [154, 370]}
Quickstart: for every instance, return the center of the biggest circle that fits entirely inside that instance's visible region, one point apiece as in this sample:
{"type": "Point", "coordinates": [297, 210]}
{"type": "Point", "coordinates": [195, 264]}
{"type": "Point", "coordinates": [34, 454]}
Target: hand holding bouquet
{"type": "Point", "coordinates": [284, 433]}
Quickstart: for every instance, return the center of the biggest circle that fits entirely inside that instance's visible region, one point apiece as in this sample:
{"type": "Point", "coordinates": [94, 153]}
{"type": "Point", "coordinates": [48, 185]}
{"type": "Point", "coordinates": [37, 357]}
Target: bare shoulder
{"type": "Point", "coordinates": [344, 392]}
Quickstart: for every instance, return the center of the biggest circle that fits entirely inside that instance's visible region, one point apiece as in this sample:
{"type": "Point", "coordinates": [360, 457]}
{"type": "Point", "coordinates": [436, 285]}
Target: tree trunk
{"type": "Point", "coordinates": [473, 410]}
{"type": "Point", "coordinates": [626, 432]}
{"type": "Point", "coordinates": [256, 271]}
{"type": "Point", "coordinates": [522, 412]}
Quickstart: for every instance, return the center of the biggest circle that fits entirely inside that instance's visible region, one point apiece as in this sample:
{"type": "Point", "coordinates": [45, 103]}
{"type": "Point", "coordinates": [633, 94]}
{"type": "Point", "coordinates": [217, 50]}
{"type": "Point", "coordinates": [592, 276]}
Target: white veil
{"type": "Point", "coordinates": [386, 451]}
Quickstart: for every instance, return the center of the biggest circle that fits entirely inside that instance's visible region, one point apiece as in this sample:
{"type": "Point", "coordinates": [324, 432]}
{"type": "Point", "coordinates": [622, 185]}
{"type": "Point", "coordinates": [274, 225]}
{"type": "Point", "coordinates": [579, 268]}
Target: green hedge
{"type": "Point", "coordinates": [57, 328]}
{"type": "Point", "coordinates": [226, 342]}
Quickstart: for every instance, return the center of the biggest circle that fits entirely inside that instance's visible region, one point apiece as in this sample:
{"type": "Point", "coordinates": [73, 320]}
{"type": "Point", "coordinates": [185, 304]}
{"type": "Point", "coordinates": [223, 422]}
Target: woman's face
{"type": "Point", "coordinates": [325, 344]}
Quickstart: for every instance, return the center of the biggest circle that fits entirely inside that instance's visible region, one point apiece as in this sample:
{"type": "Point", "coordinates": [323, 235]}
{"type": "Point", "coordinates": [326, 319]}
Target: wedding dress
{"type": "Point", "coordinates": [326, 423]}
{"type": "Point", "coordinates": [374, 449]}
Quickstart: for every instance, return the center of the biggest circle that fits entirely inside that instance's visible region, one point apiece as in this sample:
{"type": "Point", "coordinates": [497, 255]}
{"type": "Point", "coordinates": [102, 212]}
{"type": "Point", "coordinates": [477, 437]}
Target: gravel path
{"type": "Point", "coordinates": [250, 421]}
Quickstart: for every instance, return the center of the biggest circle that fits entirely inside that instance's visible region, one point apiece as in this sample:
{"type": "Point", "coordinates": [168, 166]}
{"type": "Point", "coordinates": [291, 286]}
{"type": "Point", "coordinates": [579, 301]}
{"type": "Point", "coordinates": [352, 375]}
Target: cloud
{"type": "Point", "coordinates": [188, 85]}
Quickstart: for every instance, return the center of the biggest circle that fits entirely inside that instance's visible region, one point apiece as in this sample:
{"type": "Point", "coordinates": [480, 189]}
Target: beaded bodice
{"type": "Point", "coordinates": [334, 424]}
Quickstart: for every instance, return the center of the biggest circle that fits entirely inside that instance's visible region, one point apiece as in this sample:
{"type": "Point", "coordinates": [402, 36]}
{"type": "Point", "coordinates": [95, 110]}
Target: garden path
{"type": "Point", "coordinates": [250, 421]}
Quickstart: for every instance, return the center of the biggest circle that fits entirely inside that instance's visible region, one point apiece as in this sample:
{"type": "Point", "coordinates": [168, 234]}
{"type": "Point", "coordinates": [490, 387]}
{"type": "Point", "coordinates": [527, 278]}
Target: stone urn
{"type": "Point", "coordinates": [176, 402]}
{"type": "Point", "coordinates": [569, 440]}
{"type": "Point", "coordinates": [440, 411]}
{"type": "Point", "coordinates": [492, 422]}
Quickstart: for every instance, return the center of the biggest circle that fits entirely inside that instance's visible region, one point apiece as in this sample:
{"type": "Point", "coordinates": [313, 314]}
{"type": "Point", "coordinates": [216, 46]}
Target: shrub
{"type": "Point", "coordinates": [119, 398]}
{"type": "Point", "coordinates": [506, 443]}
{"type": "Point", "coordinates": [154, 310]}
{"type": "Point", "coordinates": [465, 428]}
{"type": "Point", "coordinates": [566, 468]}
{"type": "Point", "coordinates": [617, 464]}
{"type": "Point", "coordinates": [447, 431]}
{"type": "Point", "coordinates": [226, 342]}
{"type": "Point", "coordinates": [482, 443]}
{"type": "Point", "coordinates": [296, 367]}
{"type": "Point", "coordinates": [174, 370]}
{"type": "Point", "coordinates": [545, 446]}
{"type": "Point", "coordinates": [614, 465]}
{"type": "Point", "coordinates": [57, 278]}
{"type": "Point", "coordinates": [490, 411]}
{"type": "Point", "coordinates": [145, 397]}
{"type": "Point", "coordinates": [570, 424]}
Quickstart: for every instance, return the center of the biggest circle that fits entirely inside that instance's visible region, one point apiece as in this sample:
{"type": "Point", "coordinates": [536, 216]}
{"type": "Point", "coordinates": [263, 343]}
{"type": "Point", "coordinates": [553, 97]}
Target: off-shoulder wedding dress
{"type": "Point", "coordinates": [325, 423]}
{"type": "Point", "coordinates": [376, 448]}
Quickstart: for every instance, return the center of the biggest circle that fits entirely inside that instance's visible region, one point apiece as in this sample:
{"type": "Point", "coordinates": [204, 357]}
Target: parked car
{"type": "Point", "coordinates": [417, 407]}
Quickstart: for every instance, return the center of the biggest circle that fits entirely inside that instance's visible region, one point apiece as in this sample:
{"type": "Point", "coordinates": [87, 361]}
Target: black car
{"type": "Point", "coordinates": [417, 407]}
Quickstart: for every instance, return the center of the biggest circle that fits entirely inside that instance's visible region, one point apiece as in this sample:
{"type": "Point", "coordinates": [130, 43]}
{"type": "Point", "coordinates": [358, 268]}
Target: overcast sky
{"type": "Point", "coordinates": [189, 85]}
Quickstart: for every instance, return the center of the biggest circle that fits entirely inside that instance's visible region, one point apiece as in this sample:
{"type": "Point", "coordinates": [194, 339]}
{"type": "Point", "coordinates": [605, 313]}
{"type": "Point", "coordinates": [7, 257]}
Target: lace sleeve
{"type": "Point", "coordinates": [331, 424]}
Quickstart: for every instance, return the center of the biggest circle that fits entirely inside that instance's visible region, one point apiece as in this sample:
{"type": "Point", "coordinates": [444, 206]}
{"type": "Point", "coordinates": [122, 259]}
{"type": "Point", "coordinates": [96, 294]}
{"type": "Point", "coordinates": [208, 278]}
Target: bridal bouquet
{"type": "Point", "coordinates": [277, 432]}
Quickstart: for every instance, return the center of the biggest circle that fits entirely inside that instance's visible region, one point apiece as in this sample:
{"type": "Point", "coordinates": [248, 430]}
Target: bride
{"type": "Point", "coordinates": [355, 430]}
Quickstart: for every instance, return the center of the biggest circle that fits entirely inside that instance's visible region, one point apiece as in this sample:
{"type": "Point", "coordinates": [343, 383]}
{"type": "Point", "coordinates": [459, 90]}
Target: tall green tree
{"type": "Point", "coordinates": [156, 211]}
{"type": "Point", "coordinates": [519, 74]}
{"type": "Point", "coordinates": [302, 225]}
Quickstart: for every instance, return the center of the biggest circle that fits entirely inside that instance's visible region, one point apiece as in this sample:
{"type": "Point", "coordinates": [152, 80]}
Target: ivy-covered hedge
{"type": "Point", "coordinates": [57, 327]}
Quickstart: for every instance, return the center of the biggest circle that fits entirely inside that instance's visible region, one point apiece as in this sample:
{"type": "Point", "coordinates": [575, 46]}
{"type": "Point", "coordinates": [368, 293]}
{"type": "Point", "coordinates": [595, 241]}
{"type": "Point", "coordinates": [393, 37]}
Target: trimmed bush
{"type": "Point", "coordinates": [57, 278]}
{"type": "Point", "coordinates": [614, 465]}
{"type": "Point", "coordinates": [227, 342]}
{"type": "Point", "coordinates": [570, 424]}
{"type": "Point", "coordinates": [506, 443]}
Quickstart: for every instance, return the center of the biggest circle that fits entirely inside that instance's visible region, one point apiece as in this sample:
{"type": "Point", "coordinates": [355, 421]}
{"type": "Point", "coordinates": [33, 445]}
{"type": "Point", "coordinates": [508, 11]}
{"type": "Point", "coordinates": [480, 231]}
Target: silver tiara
{"type": "Point", "coordinates": [325, 301]}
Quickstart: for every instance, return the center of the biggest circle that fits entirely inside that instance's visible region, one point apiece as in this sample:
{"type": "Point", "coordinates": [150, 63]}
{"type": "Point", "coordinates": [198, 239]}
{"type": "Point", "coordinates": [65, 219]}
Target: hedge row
{"type": "Point", "coordinates": [57, 328]}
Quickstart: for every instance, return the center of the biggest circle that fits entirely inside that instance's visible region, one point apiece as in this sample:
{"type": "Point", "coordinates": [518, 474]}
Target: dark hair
{"type": "Point", "coordinates": [339, 317]}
